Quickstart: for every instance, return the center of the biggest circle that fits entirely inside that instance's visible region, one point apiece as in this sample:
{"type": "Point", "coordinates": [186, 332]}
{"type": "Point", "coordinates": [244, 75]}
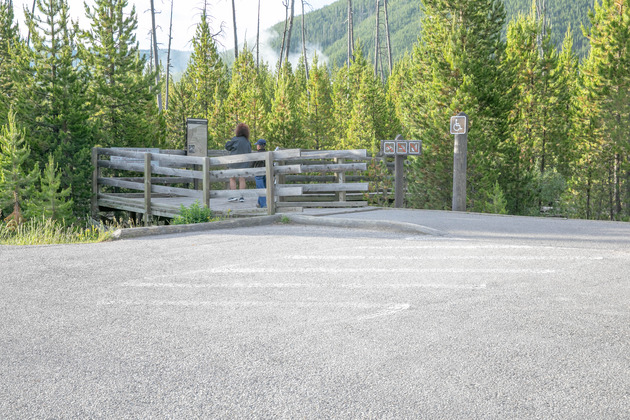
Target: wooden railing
{"type": "Point", "coordinates": [168, 174]}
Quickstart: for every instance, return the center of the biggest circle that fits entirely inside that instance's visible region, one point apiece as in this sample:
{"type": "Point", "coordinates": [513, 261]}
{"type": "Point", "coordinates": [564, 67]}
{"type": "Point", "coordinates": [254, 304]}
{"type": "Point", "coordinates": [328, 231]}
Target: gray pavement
{"type": "Point", "coordinates": [345, 315]}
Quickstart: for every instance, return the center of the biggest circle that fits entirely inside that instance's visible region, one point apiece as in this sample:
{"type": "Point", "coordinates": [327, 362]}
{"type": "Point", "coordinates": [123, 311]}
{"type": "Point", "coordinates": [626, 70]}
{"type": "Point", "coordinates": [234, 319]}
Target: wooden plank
{"type": "Point", "coordinates": [285, 191]}
{"type": "Point", "coordinates": [300, 179]}
{"type": "Point", "coordinates": [134, 167]}
{"type": "Point", "coordinates": [159, 179]}
{"type": "Point", "coordinates": [114, 182]}
{"type": "Point", "coordinates": [339, 167]}
{"type": "Point", "coordinates": [332, 154]}
{"type": "Point", "coordinates": [178, 191]}
{"type": "Point", "coordinates": [334, 204]}
{"type": "Point", "coordinates": [314, 188]}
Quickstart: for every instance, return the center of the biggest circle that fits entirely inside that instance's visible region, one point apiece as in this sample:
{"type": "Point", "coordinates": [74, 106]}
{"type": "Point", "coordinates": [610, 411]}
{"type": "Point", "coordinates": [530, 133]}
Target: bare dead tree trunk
{"type": "Point", "coordinates": [389, 41]}
{"type": "Point", "coordinates": [168, 57]}
{"type": "Point", "coordinates": [304, 41]}
{"type": "Point", "coordinates": [258, 37]}
{"type": "Point", "coordinates": [235, 36]}
{"type": "Point", "coordinates": [376, 46]}
{"type": "Point", "coordinates": [28, 38]}
{"type": "Point", "coordinates": [541, 12]}
{"type": "Point", "coordinates": [350, 33]}
{"type": "Point", "coordinates": [155, 57]}
{"type": "Point", "coordinates": [284, 34]}
{"type": "Point", "coordinates": [290, 29]}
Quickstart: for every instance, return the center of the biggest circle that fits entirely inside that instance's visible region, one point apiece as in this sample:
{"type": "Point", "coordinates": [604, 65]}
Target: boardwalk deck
{"type": "Point", "coordinates": [166, 179]}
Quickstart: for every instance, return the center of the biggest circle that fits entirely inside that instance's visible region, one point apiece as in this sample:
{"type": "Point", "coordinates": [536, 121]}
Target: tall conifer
{"type": "Point", "coordinates": [55, 104]}
{"type": "Point", "coordinates": [120, 87]}
{"type": "Point", "coordinates": [609, 84]}
{"type": "Point", "coordinates": [9, 47]}
{"type": "Point", "coordinates": [15, 181]}
{"type": "Point", "coordinates": [455, 67]}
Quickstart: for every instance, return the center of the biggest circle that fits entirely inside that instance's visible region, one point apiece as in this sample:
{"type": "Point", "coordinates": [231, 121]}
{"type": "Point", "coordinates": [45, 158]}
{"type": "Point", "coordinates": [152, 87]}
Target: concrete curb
{"type": "Point", "coordinates": [197, 227]}
{"type": "Point", "coordinates": [382, 225]}
{"type": "Point", "coordinates": [386, 225]}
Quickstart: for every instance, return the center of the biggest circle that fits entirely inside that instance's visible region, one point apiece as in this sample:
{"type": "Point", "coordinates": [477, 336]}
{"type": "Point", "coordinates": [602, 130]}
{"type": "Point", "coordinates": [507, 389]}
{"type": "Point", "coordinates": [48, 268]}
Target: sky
{"type": "Point", "coordinates": [186, 14]}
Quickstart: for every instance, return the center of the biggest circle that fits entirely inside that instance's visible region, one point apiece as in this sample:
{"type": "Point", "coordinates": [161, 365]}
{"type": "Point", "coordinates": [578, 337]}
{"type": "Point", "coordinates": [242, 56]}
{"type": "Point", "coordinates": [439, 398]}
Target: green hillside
{"type": "Point", "coordinates": [326, 27]}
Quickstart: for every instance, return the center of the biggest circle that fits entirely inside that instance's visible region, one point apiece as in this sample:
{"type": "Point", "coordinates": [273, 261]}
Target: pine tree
{"type": "Point", "coordinates": [318, 117]}
{"type": "Point", "coordinates": [52, 201]}
{"type": "Point", "coordinates": [345, 87]}
{"type": "Point", "coordinates": [567, 89]}
{"type": "Point", "coordinates": [54, 103]}
{"type": "Point", "coordinates": [246, 100]}
{"type": "Point", "coordinates": [9, 47]}
{"type": "Point", "coordinates": [361, 133]}
{"type": "Point", "coordinates": [15, 182]}
{"type": "Point", "coordinates": [588, 166]}
{"type": "Point", "coordinates": [609, 84]}
{"type": "Point", "coordinates": [284, 123]}
{"type": "Point", "coordinates": [120, 87]}
{"type": "Point", "coordinates": [206, 71]}
{"type": "Point", "coordinates": [455, 67]}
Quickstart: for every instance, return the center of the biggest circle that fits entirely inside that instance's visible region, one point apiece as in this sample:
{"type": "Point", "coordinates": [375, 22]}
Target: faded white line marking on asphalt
{"type": "Point", "coordinates": [258, 285]}
{"type": "Point", "coordinates": [436, 257]}
{"type": "Point", "coordinates": [305, 270]}
{"type": "Point", "coordinates": [387, 311]}
{"type": "Point", "coordinates": [384, 310]}
{"type": "Point", "coordinates": [249, 303]}
{"type": "Point", "coordinates": [325, 270]}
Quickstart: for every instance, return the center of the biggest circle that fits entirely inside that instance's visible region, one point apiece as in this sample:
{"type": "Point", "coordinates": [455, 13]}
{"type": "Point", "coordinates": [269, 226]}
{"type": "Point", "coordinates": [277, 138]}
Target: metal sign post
{"type": "Point", "coordinates": [459, 127]}
{"type": "Point", "coordinates": [400, 148]}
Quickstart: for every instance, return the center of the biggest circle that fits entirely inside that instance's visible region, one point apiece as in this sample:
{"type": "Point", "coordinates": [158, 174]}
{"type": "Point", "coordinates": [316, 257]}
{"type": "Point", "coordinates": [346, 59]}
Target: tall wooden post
{"type": "Point", "coordinates": [96, 174]}
{"type": "Point", "coordinates": [269, 174]}
{"type": "Point", "coordinates": [340, 178]}
{"type": "Point", "coordinates": [147, 189]}
{"type": "Point", "coordinates": [206, 181]}
{"type": "Point", "coordinates": [459, 127]}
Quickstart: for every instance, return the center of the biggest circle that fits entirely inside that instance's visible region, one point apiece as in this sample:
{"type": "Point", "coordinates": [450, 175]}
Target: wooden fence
{"type": "Point", "coordinates": [157, 183]}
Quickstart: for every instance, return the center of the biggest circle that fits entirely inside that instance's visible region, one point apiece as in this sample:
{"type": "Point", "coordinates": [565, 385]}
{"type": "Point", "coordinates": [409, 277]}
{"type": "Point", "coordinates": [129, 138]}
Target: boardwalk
{"type": "Point", "coordinates": [169, 181]}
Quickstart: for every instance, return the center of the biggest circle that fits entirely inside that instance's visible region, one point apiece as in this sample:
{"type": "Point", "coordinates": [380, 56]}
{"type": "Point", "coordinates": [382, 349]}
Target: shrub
{"type": "Point", "coordinates": [193, 214]}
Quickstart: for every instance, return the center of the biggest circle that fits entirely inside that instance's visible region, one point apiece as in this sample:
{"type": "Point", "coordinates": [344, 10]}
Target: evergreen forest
{"type": "Point", "coordinates": [549, 115]}
{"type": "Point", "coordinates": [327, 27]}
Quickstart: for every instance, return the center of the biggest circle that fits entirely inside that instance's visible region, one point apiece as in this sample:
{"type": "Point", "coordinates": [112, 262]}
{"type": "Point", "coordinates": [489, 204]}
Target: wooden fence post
{"type": "Point", "coordinates": [270, 174]}
{"type": "Point", "coordinates": [96, 174]}
{"type": "Point", "coordinates": [147, 189]}
{"type": "Point", "coordinates": [206, 182]}
{"type": "Point", "coordinates": [341, 179]}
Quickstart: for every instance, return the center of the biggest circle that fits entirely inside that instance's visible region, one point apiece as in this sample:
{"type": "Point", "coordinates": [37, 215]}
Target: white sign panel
{"type": "Point", "coordinates": [415, 147]}
{"type": "Point", "coordinates": [389, 147]}
{"type": "Point", "coordinates": [458, 125]}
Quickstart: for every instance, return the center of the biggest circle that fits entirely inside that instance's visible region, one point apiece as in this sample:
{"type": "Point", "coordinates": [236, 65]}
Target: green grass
{"type": "Point", "coordinates": [47, 232]}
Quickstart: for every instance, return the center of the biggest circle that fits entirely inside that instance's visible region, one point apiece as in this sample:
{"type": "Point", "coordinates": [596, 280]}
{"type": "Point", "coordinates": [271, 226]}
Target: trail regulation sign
{"type": "Point", "coordinates": [402, 147]}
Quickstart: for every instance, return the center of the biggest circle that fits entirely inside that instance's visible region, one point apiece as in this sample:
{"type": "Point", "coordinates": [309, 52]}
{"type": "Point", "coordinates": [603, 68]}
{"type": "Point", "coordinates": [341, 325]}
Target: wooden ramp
{"type": "Point", "coordinates": [169, 180]}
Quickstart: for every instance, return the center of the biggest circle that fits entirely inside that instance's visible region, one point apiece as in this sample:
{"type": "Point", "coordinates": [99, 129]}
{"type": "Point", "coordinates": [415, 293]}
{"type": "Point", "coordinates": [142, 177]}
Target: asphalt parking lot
{"type": "Point", "coordinates": [480, 317]}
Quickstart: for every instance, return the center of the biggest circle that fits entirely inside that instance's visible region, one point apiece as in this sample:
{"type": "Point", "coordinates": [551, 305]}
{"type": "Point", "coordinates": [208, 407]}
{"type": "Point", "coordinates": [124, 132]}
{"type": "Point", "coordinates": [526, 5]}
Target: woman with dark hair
{"type": "Point", "coordinates": [239, 144]}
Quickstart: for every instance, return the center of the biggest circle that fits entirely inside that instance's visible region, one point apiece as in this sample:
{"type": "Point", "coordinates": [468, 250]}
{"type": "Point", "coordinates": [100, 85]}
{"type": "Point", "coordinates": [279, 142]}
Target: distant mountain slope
{"type": "Point", "coordinates": [326, 27]}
